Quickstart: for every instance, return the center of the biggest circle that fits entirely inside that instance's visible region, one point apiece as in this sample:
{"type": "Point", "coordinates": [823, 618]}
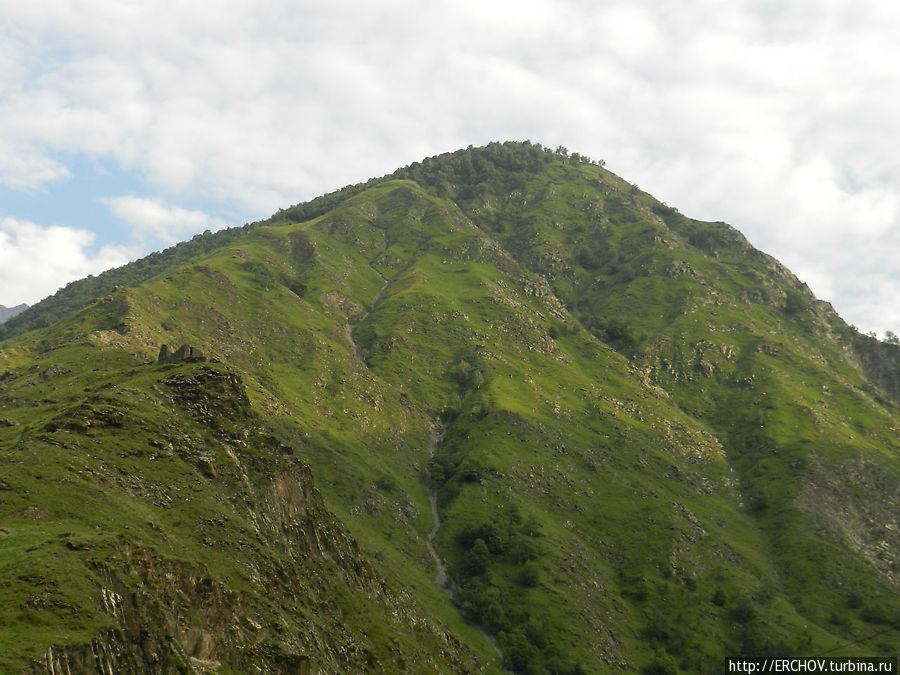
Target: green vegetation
{"type": "Point", "coordinates": [652, 447]}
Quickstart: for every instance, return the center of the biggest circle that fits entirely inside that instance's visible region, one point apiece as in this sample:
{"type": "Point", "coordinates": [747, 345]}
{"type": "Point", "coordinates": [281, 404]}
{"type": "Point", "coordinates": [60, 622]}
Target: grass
{"type": "Point", "coordinates": [658, 402]}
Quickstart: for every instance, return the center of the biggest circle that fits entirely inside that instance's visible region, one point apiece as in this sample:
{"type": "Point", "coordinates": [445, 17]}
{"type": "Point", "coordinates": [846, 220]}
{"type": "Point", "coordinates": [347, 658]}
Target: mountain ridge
{"type": "Point", "coordinates": [6, 313]}
{"type": "Point", "coordinates": [658, 448]}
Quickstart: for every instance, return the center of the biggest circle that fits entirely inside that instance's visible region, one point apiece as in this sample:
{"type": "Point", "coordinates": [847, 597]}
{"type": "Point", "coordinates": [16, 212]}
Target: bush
{"type": "Point", "coordinates": [437, 470]}
{"type": "Point", "coordinates": [522, 548]}
{"type": "Point", "coordinates": [470, 471]}
{"type": "Point", "coordinates": [518, 652]}
{"type": "Point", "coordinates": [475, 562]}
{"type": "Point", "coordinates": [744, 611]}
{"type": "Point", "coordinates": [719, 598]}
{"type": "Point", "coordinates": [262, 275]}
{"type": "Point", "coordinates": [385, 483]}
{"type": "Point", "coordinates": [662, 664]}
{"type": "Point", "coordinates": [528, 575]}
{"type": "Point", "coordinates": [794, 303]}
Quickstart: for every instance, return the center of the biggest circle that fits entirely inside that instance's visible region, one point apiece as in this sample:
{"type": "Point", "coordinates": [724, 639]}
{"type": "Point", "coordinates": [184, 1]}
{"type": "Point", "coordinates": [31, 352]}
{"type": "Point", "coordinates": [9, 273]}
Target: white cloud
{"type": "Point", "coordinates": [36, 261]}
{"type": "Point", "coordinates": [22, 168]}
{"type": "Point", "coordinates": [776, 117]}
{"type": "Point", "coordinates": [154, 219]}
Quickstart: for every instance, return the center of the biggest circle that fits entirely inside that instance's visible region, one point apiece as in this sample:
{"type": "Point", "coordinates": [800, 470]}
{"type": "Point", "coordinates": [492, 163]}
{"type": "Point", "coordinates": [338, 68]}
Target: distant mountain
{"type": "Point", "coordinates": [498, 410]}
{"type": "Point", "coordinates": [7, 313]}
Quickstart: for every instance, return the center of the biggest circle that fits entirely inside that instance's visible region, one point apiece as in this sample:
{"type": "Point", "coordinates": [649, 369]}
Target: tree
{"type": "Point", "coordinates": [477, 559]}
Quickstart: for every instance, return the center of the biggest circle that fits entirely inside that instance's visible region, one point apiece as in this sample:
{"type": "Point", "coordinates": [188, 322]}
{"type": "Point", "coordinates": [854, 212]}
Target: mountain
{"type": "Point", "coordinates": [7, 313]}
{"type": "Point", "coordinates": [498, 410]}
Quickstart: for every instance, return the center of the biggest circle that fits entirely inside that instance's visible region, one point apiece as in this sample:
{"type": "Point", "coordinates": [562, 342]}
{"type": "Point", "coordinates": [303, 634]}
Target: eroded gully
{"type": "Point", "coordinates": [437, 432]}
{"type": "Point", "coordinates": [440, 575]}
{"type": "Point", "coordinates": [351, 327]}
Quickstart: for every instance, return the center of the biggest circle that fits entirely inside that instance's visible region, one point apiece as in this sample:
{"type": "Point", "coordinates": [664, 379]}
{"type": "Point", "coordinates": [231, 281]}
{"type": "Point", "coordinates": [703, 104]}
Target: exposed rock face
{"type": "Point", "coordinates": [871, 527]}
{"type": "Point", "coordinates": [183, 353]}
{"type": "Point", "coordinates": [283, 588]}
{"type": "Point", "coordinates": [210, 395]}
{"type": "Point", "coordinates": [880, 362]}
{"type": "Point", "coordinates": [179, 620]}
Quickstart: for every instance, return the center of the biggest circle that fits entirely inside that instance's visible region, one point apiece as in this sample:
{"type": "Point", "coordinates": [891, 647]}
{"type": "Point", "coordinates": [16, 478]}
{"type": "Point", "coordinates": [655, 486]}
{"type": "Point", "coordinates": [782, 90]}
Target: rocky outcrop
{"type": "Point", "coordinates": [880, 363]}
{"type": "Point", "coordinates": [178, 619]}
{"type": "Point", "coordinates": [182, 354]}
{"type": "Point", "coordinates": [265, 580]}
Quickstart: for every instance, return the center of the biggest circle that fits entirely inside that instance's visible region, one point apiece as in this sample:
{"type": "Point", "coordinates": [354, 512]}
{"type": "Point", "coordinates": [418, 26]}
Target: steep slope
{"type": "Point", "coordinates": [652, 447]}
{"type": "Point", "coordinates": [153, 523]}
{"type": "Point", "coordinates": [740, 344]}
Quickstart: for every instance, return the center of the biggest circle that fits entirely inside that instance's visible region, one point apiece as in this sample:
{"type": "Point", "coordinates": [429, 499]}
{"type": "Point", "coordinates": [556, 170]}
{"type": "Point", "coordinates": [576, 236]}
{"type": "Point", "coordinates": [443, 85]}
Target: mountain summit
{"type": "Point", "coordinates": [498, 410]}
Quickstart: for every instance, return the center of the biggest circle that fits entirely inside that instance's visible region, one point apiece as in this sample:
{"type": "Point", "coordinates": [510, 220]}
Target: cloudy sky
{"type": "Point", "coordinates": [126, 126]}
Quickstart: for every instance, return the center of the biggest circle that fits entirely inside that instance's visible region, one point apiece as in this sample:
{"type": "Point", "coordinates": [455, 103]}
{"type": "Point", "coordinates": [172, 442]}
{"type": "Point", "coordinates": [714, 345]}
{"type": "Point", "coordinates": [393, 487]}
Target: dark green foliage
{"type": "Point", "coordinates": [519, 653]}
{"type": "Point", "coordinates": [719, 597]}
{"type": "Point", "coordinates": [300, 213]}
{"type": "Point", "coordinates": [744, 611]}
{"type": "Point", "coordinates": [874, 612]}
{"type": "Point", "coordinates": [470, 471]}
{"type": "Point", "coordinates": [615, 331]}
{"type": "Point", "coordinates": [652, 448]}
{"type": "Point", "coordinates": [795, 303]}
{"type": "Point", "coordinates": [479, 172]}
{"type": "Point", "coordinates": [262, 276]}
{"type": "Point", "coordinates": [495, 598]}
{"type": "Point", "coordinates": [528, 575]}
{"type": "Point", "coordinates": [439, 469]}
{"type": "Point", "coordinates": [504, 534]}
{"type": "Point", "coordinates": [386, 483]}
{"type": "Point", "coordinates": [476, 559]}
{"type": "Point", "coordinates": [662, 664]}
{"type": "Point", "coordinates": [588, 259]}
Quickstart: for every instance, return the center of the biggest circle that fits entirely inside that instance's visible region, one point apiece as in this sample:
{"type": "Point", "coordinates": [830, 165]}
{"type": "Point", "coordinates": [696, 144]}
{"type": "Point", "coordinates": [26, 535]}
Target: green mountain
{"type": "Point", "coordinates": [500, 410]}
{"type": "Point", "coordinates": [7, 313]}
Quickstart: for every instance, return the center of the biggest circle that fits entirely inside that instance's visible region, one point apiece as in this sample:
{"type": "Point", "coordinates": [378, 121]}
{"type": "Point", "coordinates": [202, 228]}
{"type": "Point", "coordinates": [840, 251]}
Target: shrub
{"type": "Point", "coordinates": [470, 471]}
{"type": "Point", "coordinates": [744, 611]}
{"type": "Point", "coordinates": [719, 598]}
{"type": "Point", "coordinates": [475, 562]}
{"type": "Point", "coordinates": [385, 483]}
{"type": "Point", "coordinates": [662, 664]}
{"type": "Point", "coordinates": [263, 277]}
{"type": "Point", "coordinates": [528, 575]}
{"type": "Point", "coordinates": [518, 652]}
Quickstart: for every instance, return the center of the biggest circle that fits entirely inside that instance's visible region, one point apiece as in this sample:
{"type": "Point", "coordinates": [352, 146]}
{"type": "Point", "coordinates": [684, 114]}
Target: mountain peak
{"type": "Point", "coordinates": [499, 410]}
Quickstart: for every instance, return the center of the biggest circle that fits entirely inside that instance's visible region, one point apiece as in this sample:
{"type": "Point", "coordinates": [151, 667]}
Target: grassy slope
{"type": "Point", "coordinates": [613, 528]}
{"type": "Point", "coordinates": [740, 344]}
{"type": "Point", "coordinates": [295, 367]}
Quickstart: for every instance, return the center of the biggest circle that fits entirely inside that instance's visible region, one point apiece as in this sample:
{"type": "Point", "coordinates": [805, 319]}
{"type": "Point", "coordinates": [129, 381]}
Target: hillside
{"type": "Point", "coordinates": [648, 445]}
{"type": "Point", "coordinates": [6, 313]}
